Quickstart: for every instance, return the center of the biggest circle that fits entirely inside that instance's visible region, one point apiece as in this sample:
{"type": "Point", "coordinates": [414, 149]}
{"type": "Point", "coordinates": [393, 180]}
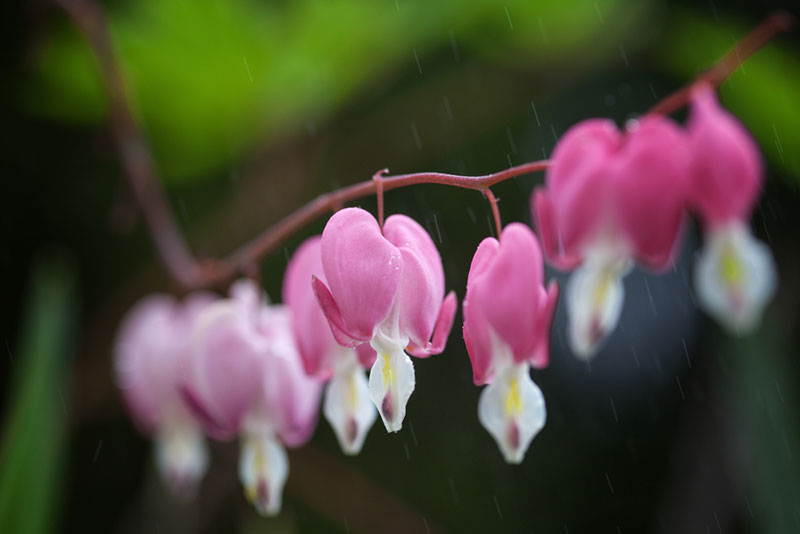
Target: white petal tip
{"type": "Point", "coordinates": [512, 410]}
{"type": "Point", "coordinates": [182, 458]}
{"type": "Point", "coordinates": [348, 408]}
{"type": "Point", "coordinates": [595, 294]}
{"type": "Point", "coordinates": [263, 470]}
{"type": "Point", "coordinates": [391, 382]}
{"type": "Point", "coordinates": [735, 278]}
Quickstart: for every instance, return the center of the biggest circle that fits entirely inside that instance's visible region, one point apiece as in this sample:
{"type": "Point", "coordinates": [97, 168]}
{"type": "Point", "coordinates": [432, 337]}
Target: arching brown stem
{"type": "Point", "coordinates": [189, 273]}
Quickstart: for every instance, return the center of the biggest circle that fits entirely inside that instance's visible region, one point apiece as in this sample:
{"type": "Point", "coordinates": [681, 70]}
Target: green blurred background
{"type": "Point", "coordinates": [255, 107]}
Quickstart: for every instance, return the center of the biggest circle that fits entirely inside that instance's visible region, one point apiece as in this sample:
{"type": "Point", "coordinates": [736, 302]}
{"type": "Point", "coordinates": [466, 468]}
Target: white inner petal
{"type": "Point", "coordinates": [347, 405]}
{"type": "Point", "coordinates": [391, 382]}
{"type": "Point", "coordinates": [735, 277]}
{"type": "Point", "coordinates": [263, 470]}
{"type": "Point", "coordinates": [595, 294]}
{"type": "Point", "coordinates": [512, 409]}
{"type": "Point", "coordinates": [181, 456]}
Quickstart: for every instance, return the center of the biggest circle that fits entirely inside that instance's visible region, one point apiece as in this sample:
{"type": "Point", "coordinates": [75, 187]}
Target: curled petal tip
{"type": "Point", "coordinates": [545, 317]}
{"type": "Point", "coordinates": [333, 315]}
{"type": "Point", "coordinates": [441, 331]}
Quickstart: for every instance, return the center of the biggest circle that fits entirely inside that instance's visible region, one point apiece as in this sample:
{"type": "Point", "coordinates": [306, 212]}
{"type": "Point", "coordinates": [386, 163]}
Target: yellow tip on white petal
{"type": "Point", "coordinates": [512, 409]}
{"type": "Point", "coordinates": [735, 277]}
{"type": "Point", "coordinates": [595, 294]}
{"type": "Point", "coordinates": [181, 457]}
{"type": "Point", "coordinates": [348, 408]}
{"type": "Point", "coordinates": [263, 470]}
{"type": "Point", "coordinates": [391, 382]}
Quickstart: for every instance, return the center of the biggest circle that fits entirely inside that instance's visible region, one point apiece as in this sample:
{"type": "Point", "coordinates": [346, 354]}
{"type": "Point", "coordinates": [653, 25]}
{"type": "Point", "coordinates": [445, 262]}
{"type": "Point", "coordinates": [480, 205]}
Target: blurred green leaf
{"type": "Point", "coordinates": [34, 429]}
{"type": "Point", "coordinates": [762, 393]}
{"type": "Point", "coordinates": [211, 78]}
{"type": "Point", "coordinates": [763, 93]}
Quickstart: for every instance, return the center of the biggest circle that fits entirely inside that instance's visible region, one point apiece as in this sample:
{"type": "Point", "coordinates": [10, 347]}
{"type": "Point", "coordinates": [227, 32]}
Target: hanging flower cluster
{"type": "Point", "coordinates": [612, 199]}
{"type": "Point", "coordinates": [228, 367]}
{"type": "Point", "coordinates": [367, 295]}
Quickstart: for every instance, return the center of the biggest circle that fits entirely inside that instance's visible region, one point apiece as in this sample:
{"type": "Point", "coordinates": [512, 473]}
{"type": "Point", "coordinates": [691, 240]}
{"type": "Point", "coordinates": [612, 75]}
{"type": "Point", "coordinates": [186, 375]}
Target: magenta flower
{"type": "Point", "coordinates": [247, 378]}
{"type": "Point", "coordinates": [735, 274]}
{"type": "Point", "coordinates": [151, 354]}
{"type": "Point", "coordinates": [346, 405]}
{"type": "Point", "coordinates": [507, 319]}
{"type": "Point", "coordinates": [387, 290]}
{"type": "Point", "coordinates": [610, 198]}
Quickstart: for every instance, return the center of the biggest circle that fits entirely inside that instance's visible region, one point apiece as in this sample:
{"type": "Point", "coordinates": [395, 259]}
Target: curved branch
{"type": "Point", "coordinates": [774, 24]}
{"type": "Point", "coordinates": [256, 250]}
{"type": "Point", "coordinates": [137, 161]}
{"type": "Point", "coordinates": [142, 175]}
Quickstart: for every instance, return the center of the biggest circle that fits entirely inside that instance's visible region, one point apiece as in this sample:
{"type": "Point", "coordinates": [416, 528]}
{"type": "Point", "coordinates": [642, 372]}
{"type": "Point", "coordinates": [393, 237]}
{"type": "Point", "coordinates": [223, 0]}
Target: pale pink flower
{"type": "Point", "coordinates": [508, 314]}
{"type": "Point", "coordinates": [388, 290]}
{"type": "Point", "coordinates": [151, 355]}
{"type": "Point", "coordinates": [247, 379]}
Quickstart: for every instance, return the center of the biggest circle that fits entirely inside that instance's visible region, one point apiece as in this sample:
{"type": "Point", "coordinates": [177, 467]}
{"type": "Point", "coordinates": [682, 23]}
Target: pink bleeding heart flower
{"type": "Point", "coordinates": [346, 405]}
{"type": "Point", "coordinates": [228, 349]}
{"type": "Point", "coordinates": [247, 379]}
{"type": "Point", "coordinates": [388, 290]}
{"type": "Point", "coordinates": [284, 414]}
{"type": "Point", "coordinates": [151, 354]}
{"type": "Point", "coordinates": [611, 198]}
{"type": "Point", "coordinates": [508, 314]}
{"type": "Point", "coordinates": [735, 274]}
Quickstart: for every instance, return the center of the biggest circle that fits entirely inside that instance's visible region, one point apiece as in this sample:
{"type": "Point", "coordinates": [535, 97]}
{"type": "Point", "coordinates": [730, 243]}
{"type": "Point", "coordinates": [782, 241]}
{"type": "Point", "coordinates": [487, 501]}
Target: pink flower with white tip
{"type": "Point", "coordinates": [735, 274]}
{"type": "Point", "coordinates": [388, 290]}
{"type": "Point", "coordinates": [247, 379]}
{"type": "Point", "coordinates": [508, 314]}
{"type": "Point", "coordinates": [151, 355]}
{"type": "Point", "coordinates": [610, 199]}
{"type": "Point", "coordinates": [346, 405]}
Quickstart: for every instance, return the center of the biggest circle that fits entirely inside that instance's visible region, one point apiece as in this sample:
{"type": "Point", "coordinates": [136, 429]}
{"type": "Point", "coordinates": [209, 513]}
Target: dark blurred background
{"type": "Point", "coordinates": [255, 107]}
